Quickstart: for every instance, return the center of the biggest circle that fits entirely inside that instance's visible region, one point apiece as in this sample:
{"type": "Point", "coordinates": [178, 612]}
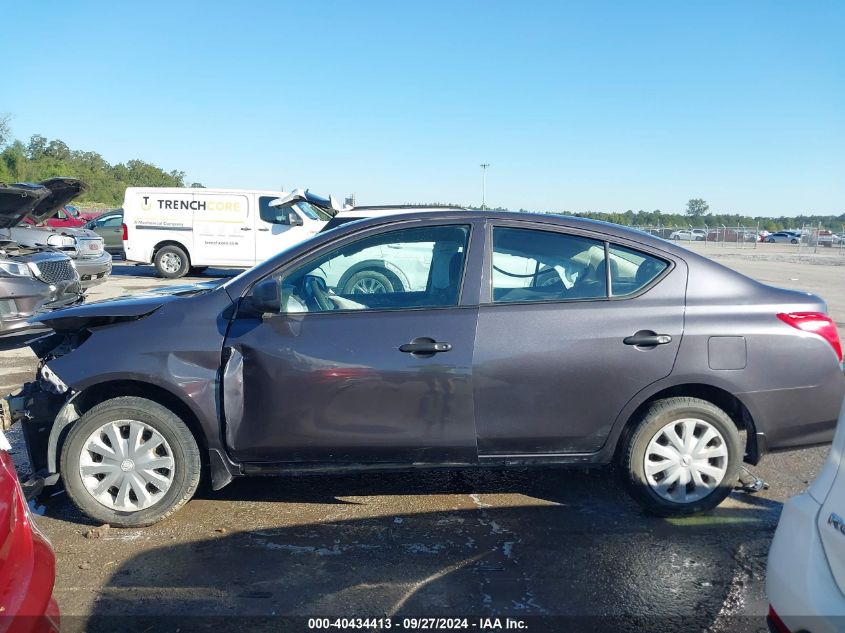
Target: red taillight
{"type": "Point", "coordinates": [815, 323]}
{"type": "Point", "coordinates": [125, 231]}
{"type": "Point", "coordinates": [776, 623]}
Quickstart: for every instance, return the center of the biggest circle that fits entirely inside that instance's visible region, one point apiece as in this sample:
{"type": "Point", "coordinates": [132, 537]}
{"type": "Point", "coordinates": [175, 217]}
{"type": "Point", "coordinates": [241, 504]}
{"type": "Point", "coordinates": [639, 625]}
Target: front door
{"type": "Point", "coordinates": [280, 227]}
{"type": "Point", "coordinates": [359, 377]}
{"type": "Point", "coordinates": [563, 343]}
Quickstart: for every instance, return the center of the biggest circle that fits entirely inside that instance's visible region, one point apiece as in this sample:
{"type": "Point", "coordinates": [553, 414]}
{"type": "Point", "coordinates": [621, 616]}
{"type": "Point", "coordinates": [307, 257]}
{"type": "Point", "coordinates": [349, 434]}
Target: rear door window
{"type": "Point", "coordinates": [537, 265]}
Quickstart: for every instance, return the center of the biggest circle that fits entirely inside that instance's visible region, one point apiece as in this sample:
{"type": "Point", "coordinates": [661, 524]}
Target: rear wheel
{"type": "Point", "coordinates": [793, 241]}
{"type": "Point", "coordinates": [683, 457]}
{"type": "Point", "coordinates": [171, 262]}
{"type": "Point", "coordinates": [130, 462]}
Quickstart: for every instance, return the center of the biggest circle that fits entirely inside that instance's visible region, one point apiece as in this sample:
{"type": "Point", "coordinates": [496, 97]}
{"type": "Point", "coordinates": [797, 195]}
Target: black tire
{"type": "Point", "coordinates": [185, 454]}
{"type": "Point", "coordinates": [793, 241]}
{"type": "Point", "coordinates": [654, 418]}
{"type": "Point", "coordinates": [198, 270]}
{"type": "Point", "coordinates": [770, 240]}
{"type": "Point", "coordinates": [376, 278]}
{"type": "Point", "coordinates": [172, 254]}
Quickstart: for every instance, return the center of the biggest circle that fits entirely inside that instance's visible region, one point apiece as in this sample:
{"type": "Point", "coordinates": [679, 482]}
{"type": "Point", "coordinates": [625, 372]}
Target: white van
{"type": "Point", "coordinates": [179, 229]}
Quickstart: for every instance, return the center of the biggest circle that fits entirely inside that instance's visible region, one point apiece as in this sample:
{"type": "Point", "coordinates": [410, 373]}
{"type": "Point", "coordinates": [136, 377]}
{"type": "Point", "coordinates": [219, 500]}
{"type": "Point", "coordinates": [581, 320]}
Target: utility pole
{"type": "Point", "coordinates": [484, 167]}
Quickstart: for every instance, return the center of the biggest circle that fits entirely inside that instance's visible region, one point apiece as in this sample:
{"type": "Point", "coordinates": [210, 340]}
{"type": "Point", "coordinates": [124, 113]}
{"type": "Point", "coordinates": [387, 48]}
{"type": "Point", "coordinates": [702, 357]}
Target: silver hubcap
{"type": "Point", "coordinates": [686, 460]}
{"type": "Point", "coordinates": [126, 465]}
{"type": "Point", "coordinates": [171, 262]}
{"type": "Point", "coordinates": [368, 286]}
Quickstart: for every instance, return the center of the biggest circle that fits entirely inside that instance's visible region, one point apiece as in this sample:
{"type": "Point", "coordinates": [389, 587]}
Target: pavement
{"type": "Point", "coordinates": [556, 549]}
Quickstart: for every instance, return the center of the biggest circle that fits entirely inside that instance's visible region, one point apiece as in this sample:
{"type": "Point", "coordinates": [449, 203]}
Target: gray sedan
{"type": "Point", "coordinates": [534, 340]}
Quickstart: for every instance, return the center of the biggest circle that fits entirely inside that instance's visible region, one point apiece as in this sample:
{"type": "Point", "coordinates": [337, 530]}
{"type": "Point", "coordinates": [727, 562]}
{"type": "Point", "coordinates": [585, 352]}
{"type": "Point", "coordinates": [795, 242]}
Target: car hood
{"type": "Point", "coordinates": [17, 202]}
{"type": "Point", "coordinates": [125, 308]}
{"type": "Point", "coordinates": [39, 201]}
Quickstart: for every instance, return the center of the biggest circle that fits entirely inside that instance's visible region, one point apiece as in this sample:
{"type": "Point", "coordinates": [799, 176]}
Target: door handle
{"type": "Point", "coordinates": [424, 347]}
{"type": "Point", "coordinates": [647, 338]}
{"type": "Point", "coordinates": [245, 228]}
{"type": "Point", "coordinates": [263, 229]}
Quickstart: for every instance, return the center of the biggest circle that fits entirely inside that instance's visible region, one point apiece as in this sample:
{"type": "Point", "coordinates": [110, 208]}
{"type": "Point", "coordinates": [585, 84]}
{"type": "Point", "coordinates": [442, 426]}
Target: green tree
{"type": "Point", "coordinates": [697, 207]}
{"type": "Point", "coordinates": [5, 130]}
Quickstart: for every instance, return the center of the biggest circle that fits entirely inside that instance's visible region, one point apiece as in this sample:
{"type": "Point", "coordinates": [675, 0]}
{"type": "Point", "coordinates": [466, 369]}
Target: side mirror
{"type": "Point", "coordinates": [294, 219]}
{"type": "Point", "coordinates": [267, 296]}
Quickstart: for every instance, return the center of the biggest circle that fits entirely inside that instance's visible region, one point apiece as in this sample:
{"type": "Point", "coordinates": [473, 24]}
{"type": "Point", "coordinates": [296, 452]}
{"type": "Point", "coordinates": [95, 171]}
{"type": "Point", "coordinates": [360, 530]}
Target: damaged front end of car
{"type": "Point", "coordinates": [44, 407]}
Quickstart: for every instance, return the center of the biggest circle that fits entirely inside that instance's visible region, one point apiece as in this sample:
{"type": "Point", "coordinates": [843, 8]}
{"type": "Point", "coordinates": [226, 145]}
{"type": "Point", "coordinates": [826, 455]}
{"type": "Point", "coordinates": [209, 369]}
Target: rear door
{"type": "Point", "coordinates": [556, 350]}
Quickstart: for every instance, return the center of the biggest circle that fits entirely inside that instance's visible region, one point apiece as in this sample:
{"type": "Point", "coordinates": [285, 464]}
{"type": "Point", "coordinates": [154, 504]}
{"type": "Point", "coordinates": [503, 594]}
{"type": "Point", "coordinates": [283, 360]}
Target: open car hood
{"type": "Point", "coordinates": [39, 201]}
{"type": "Point", "coordinates": [330, 205]}
{"type": "Point", "coordinates": [127, 308]}
{"type": "Point", "coordinates": [17, 202]}
{"type": "Point", "coordinates": [62, 191]}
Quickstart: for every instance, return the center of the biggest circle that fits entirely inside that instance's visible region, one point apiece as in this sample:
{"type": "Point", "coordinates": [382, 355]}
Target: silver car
{"type": "Point", "coordinates": [83, 246]}
{"type": "Point", "coordinates": [32, 278]}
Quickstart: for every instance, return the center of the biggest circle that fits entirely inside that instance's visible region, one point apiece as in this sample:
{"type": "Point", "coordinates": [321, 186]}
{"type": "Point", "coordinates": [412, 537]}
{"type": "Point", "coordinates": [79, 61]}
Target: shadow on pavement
{"type": "Point", "coordinates": [572, 552]}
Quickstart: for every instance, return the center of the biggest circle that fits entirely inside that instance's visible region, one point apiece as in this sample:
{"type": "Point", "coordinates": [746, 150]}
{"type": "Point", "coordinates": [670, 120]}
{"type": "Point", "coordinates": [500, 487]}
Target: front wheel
{"type": "Point", "coordinates": [683, 457]}
{"type": "Point", "coordinates": [172, 262]}
{"type": "Point", "coordinates": [130, 462]}
{"type": "Point", "coordinates": [793, 241]}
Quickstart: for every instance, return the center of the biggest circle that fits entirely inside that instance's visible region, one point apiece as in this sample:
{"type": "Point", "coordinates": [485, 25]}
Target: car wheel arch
{"type": "Point", "coordinates": [175, 243]}
{"type": "Point", "coordinates": [379, 265]}
{"type": "Point", "coordinates": [93, 394]}
{"type": "Point", "coordinates": [733, 406]}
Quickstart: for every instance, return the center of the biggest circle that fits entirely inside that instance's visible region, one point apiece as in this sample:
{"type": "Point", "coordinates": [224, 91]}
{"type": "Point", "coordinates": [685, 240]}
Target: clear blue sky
{"type": "Point", "coordinates": [601, 106]}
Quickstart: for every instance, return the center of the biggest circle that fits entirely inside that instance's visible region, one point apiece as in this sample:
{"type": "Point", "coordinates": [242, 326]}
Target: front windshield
{"type": "Point", "coordinates": [313, 212]}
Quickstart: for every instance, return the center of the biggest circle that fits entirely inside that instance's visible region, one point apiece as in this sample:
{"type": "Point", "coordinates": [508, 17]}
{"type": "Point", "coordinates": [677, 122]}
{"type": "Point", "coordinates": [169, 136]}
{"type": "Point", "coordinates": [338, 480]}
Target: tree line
{"type": "Point", "coordinates": [41, 158]}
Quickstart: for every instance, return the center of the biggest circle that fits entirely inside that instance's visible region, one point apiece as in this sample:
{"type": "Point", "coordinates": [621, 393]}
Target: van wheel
{"type": "Point", "coordinates": [130, 462]}
{"type": "Point", "coordinates": [368, 282]}
{"type": "Point", "coordinates": [682, 458]}
{"type": "Point", "coordinates": [172, 262]}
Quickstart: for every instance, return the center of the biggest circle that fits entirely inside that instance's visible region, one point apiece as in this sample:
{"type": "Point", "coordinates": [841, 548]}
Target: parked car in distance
{"type": "Point", "coordinates": [691, 235]}
{"type": "Point", "coordinates": [109, 226]}
{"type": "Point", "coordinates": [784, 237]}
{"type": "Point", "coordinates": [70, 217]}
{"type": "Point", "coordinates": [535, 340]}
{"type": "Point", "coordinates": [181, 229]}
{"type": "Point", "coordinates": [84, 247]}
{"type": "Point", "coordinates": [32, 278]}
{"type": "Point", "coordinates": [731, 235]}
{"type": "Point", "coordinates": [805, 579]}
{"type": "Point", "coordinates": [27, 562]}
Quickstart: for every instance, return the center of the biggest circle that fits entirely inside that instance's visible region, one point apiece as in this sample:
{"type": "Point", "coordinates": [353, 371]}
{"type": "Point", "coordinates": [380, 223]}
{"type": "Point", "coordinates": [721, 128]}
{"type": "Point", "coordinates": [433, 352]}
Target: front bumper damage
{"type": "Point", "coordinates": [44, 417]}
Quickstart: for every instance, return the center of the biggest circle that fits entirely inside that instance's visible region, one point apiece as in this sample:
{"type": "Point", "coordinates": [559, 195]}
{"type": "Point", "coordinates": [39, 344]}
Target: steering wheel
{"type": "Point", "coordinates": [315, 288]}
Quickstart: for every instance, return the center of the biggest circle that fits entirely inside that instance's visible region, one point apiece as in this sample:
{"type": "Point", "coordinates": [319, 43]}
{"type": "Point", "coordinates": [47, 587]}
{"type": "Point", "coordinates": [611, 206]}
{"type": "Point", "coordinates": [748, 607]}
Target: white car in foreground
{"type": "Point", "coordinates": [805, 581]}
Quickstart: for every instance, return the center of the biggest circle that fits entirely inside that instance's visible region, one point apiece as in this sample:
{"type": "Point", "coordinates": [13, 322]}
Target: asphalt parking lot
{"type": "Point", "coordinates": [477, 543]}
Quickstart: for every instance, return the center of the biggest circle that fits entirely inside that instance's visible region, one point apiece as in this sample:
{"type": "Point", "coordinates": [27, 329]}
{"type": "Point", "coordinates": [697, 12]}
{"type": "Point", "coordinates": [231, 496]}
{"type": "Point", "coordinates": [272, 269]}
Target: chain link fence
{"type": "Point", "coordinates": [809, 239]}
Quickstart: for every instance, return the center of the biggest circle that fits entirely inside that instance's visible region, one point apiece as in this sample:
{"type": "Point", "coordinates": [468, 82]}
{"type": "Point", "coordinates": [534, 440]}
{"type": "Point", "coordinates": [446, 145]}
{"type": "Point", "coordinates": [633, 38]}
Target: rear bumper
{"type": "Point", "coordinates": [799, 583]}
{"type": "Point", "coordinates": [94, 271]}
{"type": "Point", "coordinates": [792, 418]}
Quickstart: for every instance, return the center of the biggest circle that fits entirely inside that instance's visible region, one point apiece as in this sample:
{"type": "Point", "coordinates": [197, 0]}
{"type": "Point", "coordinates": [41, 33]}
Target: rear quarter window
{"type": "Point", "coordinates": [631, 270]}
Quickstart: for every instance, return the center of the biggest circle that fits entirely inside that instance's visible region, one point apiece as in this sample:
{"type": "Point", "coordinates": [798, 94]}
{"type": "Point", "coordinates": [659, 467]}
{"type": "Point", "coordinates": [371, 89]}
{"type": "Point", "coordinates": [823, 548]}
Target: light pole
{"type": "Point", "coordinates": [484, 167]}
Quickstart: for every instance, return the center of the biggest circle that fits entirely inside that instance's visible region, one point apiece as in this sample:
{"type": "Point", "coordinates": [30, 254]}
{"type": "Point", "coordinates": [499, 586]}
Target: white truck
{"type": "Point", "coordinates": [180, 229]}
